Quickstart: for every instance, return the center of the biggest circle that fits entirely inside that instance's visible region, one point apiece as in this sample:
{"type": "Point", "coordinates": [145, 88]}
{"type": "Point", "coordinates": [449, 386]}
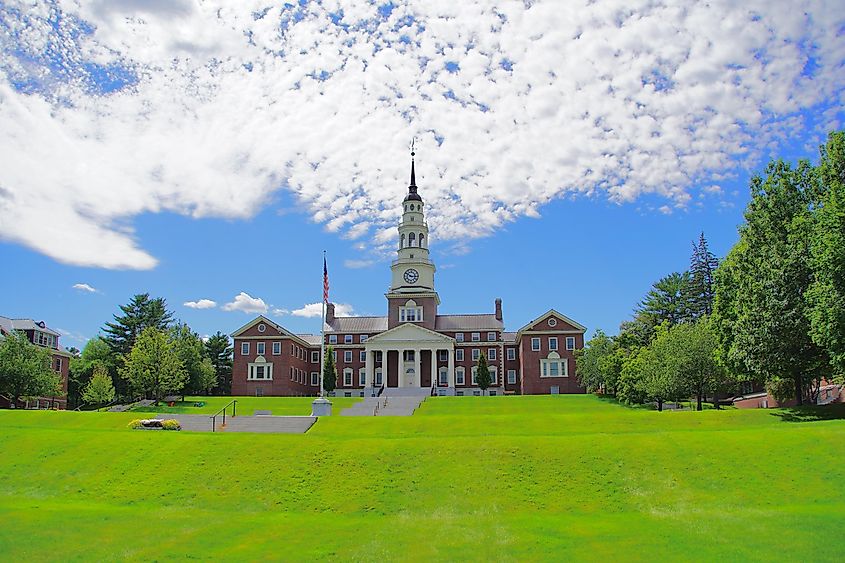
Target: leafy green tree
{"type": "Point", "coordinates": [219, 351]}
{"type": "Point", "coordinates": [700, 291]}
{"type": "Point", "coordinates": [329, 371]}
{"type": "Point", "coordinates": [153, 367]}
{"type": "Point", "coordinates": [141, 312]}
{"type": "Point", "coordinates": [191, 352]}
{"type": "Point", "coordinates": [26, 369]}
{"type": "Point", "coordinates": [482, 373]}
{"type": "Point", "coordinates": [81, 369]}
{"type": "Point", "coordinates": [826, 293]}
{"type": "Point", "coordinates": [631, 386]}
{"type": "Point", "coordinates": [100, 389]}
{"type": "Point", "coordinates": [662, 381]}
{"type": "Point", "coordinates": [599, 364]}
{"type": "Point", "coordinates": [690, 357]}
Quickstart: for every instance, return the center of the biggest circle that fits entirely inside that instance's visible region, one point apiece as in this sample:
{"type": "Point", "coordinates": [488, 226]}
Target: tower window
{"type": "Point", "coordinates": [422, 237]}
{"type": "Point", "coordinates": [411, 238]}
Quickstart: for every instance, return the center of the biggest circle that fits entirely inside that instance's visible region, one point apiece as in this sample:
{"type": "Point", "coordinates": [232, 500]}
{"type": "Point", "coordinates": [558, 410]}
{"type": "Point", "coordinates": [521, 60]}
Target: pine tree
{"type": "Point", "coordinates": [666, 301]}
{"type": "Point", "coordinates": [482, 374]}
{"type": "Point", "coordinates": [329, 371]}
{"type": "Point", "coordinates": [700, 290]}
{"type": "Point", "coordinates": [141, 312]}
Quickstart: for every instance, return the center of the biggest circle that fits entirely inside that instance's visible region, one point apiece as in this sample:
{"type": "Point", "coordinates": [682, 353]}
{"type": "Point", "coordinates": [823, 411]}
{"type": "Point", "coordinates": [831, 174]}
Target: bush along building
{"type": "Point", "coordinates": [39, 334]}
{"type": "Point", "coordinates": [412, 349]}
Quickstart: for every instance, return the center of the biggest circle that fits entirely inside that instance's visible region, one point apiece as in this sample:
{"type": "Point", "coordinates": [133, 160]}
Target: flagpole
{"type": "Point", "coordinates": [323, 330]}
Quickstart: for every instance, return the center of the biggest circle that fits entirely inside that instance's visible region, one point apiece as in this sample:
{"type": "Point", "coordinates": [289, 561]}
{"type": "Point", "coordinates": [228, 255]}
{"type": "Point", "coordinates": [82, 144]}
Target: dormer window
{"type": "Point", "coordinates": [410, 313]}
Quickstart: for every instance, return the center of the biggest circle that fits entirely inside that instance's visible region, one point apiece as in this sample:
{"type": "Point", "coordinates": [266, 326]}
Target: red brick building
{"type": "Point", "coordinates": [39, 334]}
{"type": "Point", "coordinates": [412, 346]}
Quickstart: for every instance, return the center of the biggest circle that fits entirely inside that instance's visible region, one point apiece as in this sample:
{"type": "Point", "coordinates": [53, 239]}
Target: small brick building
{"type": "Point", "coordinates": [412, 346]}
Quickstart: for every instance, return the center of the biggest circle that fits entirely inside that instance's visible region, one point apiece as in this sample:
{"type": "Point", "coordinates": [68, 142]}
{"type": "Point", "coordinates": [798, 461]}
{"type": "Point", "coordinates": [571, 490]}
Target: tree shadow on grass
{"type": "Point", "coordinates": [812, 413]}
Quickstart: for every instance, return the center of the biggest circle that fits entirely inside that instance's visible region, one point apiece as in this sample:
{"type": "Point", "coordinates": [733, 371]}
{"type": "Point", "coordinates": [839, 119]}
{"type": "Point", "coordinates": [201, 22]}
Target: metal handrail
{"type": "Point", "coordinates": [233, 404]}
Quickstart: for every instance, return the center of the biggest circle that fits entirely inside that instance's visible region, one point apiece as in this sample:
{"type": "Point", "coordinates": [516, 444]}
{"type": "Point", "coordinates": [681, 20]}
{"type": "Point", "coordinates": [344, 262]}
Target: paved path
{"type": "Point", "coordinates": [385, 406]}
{"type": "Point", "coordinates": [261, 423]}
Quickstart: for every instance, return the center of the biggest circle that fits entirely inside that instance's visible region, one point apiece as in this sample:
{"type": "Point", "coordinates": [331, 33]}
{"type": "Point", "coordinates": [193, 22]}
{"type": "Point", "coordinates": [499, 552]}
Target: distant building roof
{"type": "Point", "coordinates": [509, 337]}
{"type": "Point", "coordinates": [467, 322]}
{"type": "Point", "coordinates": [312, 339]}
{"type": "Point", "coordinates": [357, 324]}
{"type": "Point", "coordinates": [8, 325]}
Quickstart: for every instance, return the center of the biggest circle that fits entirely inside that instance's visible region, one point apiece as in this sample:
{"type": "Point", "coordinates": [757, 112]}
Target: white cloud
{"type": "Point", "coordinates": [357, 264]}
{"type": "Point", "coordinates": [316, 310]}
{"type": "Point", "coordinates": [246, 303]}
{"type": "Point", "coordinates": [223, 98]}
{"type": "Point", "coordinates": [665, 209]}
{"type": "Point", "coordinates": [280, 312]}
{"type": "Point", "coordinates": [201, 304]}
{"type": "Point", "coordinates": [85, 287]}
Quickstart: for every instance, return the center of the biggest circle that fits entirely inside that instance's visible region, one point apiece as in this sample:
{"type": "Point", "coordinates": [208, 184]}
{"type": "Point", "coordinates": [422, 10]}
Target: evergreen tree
{"type": "Point", "coordinates": [26, 369]}
{"type": "Point", "coordinates": [100, 389]}
{"type": "Point", "coordinates": [700, 290]}
{"type": "Point", "coordinates": [482, 374]}
{"type": "Point", "coordinates": [329, 371]}
{"type": "Point", "coordinates": [219, 351]}
{"type": "Point", "coordinates": [153, 367]}
{"type": "Point", "coordinates": [666, 301]}
{"type": "Point", "coordinates": [141, 312]}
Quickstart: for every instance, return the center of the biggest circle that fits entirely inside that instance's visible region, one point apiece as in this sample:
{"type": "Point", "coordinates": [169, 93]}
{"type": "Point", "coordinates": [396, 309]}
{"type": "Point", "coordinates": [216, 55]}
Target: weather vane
{"type": "Point", "coordinates": [413, 142]}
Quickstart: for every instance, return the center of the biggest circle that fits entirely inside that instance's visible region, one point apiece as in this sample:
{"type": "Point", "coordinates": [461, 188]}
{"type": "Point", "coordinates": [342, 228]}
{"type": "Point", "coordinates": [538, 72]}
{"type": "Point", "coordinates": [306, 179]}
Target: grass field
{"type": "Point", "coordinates": [469, 478]}
{"type": "Point", "coordinates": [280, 406]}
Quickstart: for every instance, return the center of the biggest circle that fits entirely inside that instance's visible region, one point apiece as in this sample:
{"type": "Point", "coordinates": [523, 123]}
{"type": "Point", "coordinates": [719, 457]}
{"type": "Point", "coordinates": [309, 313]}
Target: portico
{"type": "Point", "coordinates": [410, 356]}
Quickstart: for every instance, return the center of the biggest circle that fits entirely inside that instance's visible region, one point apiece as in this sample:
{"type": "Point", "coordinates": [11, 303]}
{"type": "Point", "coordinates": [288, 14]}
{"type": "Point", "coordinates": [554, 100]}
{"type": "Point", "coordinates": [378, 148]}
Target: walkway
{"type": "Point", "coordinates": [394, 402]}
{"type": "Point", "coordinates": [261, 423]}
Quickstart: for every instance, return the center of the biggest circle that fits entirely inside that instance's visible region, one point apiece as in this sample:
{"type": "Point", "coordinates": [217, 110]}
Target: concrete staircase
{"type": "Point", "coordinates": [260, 423]}
{"type": "Point", "coordinates": [387, 405]}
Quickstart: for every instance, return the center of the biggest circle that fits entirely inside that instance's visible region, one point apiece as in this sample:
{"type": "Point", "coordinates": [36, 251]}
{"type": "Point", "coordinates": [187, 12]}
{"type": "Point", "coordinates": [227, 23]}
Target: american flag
{"type": "Point", "coordinates": [325, 282]}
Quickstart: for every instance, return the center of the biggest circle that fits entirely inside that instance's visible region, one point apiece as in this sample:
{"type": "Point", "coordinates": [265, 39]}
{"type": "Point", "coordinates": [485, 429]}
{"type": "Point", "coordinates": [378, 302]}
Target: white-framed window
{"type": "Point", "coordinates": [491, 337]}
{"type": "Point", "coordinates": [511, 353]}
{"type": "Point", "coordinates": [476, 337]}
{"type": "Point", "coordinates": [244, 348]}
{"type": "Point", "coordinates": [292, 375]}
{"type": "Point", "coordinates": [443, 355]}
{"type": "Point", "coordinates": [362, 355]}
{"type": "Point", "coordinates": [459, 337]}
{"type": "Point", "coordinates": [347, 377]}
{"type": "Point", "coordinates": [315, 357]}
{"type": "Point", "coordinates": [511, 376]}
{"type": "Point", "coordinates": [408, 355]}
{"type": "Point", "coordinates": [347, 356]}
{"type": "Point", "coordinates": [378, 377]}
{"type": "Point", "coordinates": [261, 327]}
{"type": "Point", "coordinates": [535, 344]}
{"type": "Point", "coordinates": [58, 364]}
{"type": "Point", "coordinates": [410, 314]}
{"type": "Point", "coordinates": [491, 353]}
{"type": "Point", "coordinates": [362, 377]}
{"type": "Point", "coordinates": [570, 342]}
{"type": "Point", "coordinates": [378, 355]}
{"type": "Point", "coordinates": [347, 339]}
{"type": "Point", "coordinates": [475, 354]}
{"type": "Point", "coordinates": [554, 366]}
{"type": "Point", "coordinates": [259, 348]}
{"type": "Point", "coordinates": [443, 376]}
{"type": "Point", "coordinates": [553, 343]}
{"type": "Point", "coordinates": [459, 375]}
{"type": "Point", "coordinates": [315, 378]}
{"type": "Point", "coordinates": [459, 354]}
{"type": "Point", "coordinates": [334, 356]}
{"type": "Point", "coordinates": [332, 339]}
{"type": "Point", "coordinates": [277, 348]}
{"type": "Point", "coordinates": [492, 370]}
{"type": "Point", "coordinates": [363, 338]}
{"type": "Point", "coordinates": [552, 321]}
{"type": "Point", "coordinates": [260, 371]}
{"type": "Point", "coordinates": [474, 375]}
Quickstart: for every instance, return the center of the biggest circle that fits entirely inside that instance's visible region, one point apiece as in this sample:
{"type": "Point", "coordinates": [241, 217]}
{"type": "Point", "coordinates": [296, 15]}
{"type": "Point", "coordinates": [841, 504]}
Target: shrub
{"type": "Point", "coordinates": [171, 424]}
{"type": "Point", "coordinates": [135, 424]}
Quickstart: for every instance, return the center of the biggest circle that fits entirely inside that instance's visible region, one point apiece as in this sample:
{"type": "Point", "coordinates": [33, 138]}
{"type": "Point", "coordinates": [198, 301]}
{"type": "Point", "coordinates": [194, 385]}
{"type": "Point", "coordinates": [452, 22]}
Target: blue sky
{"type": "Point", "coordinates": [568, 157]}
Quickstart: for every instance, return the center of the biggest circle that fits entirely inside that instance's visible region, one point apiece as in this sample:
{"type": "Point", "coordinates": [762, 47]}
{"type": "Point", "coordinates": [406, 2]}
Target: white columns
{"type": "Point", "coordinates": [369, 368]}
{"type": "Point", "coordinates": [434, 371]}
{"type": "Point", "coordinates": [451, 369]}
{"type": "Point", "coordinates": [400, 375]}
{"type": "Point", "coordinates": [417, 374]}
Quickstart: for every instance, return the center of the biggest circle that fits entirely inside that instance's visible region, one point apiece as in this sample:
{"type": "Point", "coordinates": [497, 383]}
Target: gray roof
{"type": "Point", "coordinates": [312, 339]}
{"type": "Point", "coordinates": [25, 324]}
{"type": "Point", "coordinates": [509, 337]}
{"type": "Point", "coordinates": [467, 322]}
{"type": "Point", "coordinates": [357, 324]}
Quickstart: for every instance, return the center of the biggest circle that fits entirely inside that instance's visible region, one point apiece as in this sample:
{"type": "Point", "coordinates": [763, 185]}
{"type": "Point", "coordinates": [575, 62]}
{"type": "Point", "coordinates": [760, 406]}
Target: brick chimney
{"type": "Point", "coordinates": [498, 309]}
{"type": "Point", "coordinates": [329, 313]}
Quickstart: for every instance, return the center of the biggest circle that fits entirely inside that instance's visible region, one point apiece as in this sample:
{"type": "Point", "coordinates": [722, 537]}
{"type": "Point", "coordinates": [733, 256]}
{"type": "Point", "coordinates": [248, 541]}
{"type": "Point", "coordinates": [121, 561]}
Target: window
{"type": "Point", "coordinates": [491, 353]}
{"type": "Point", "coordinates": [334, 355]}
{"type": "Point", "coordinates": [474, 375]}
{"type": "Point", "coordinates": [535, 344]}
{"type": "Point", "coordinates": [362, 377]}
{"type": "Point", "coordinates": [553, 343]}
{"type": "Point", "coordinates": [511, 377]}
{"type": "Point", "coordinates": [554, 366]}
{"type": "Point", "coordinates": [552, 321]}
{"type": "Point", "coordinates": [570, 342]}
{"type": "Point", "coordinates": [408, 355]}
{"type": "Point", "coordinates": [410, 314]}
{"type": "Point", "coordinates": [347, 356]}
{"type": "Point", "coordinates": [260, 371]}
{"type": "Point", "coordinates": [277, 348]}
{"type": "Point", "coordinates": [443, 355]}
{"type": "Point", "coordinates": [315, 357]}
{"type": "Point", "coordinates": [378, 377]}
{"type": "Point", "coordinates": [459, 355]}
{"type": "Point", "coordinates": [476, 337]}
{"type": "Point", "coordinates": [378, 356]}
{"type": "Point", "coordinates": [58, 364]}
{"type": "Point", "coordinates": [492, 375]}
{"type": "Point", "coordinates": [459, 337]}
{"type": "Point", "coordinates": [347, 339]}
{"type": "Point", "coordinates": [511, 353]}
{"type": "Point", "coordinates": [332, 339]}
{"type": "Point", "coordinates": [443, 376]}
{"type": "Point", "coordinates": [362, 338]}
{"type": "Point", "coordinates": [459, 375]}
{"type": "Point", "coordinates": [315, 378]}
{"type": "Point", "coordinates": [475, 354]}
{"type": "Point", "coordinates": [347, 377]}
{"type": "Point", "coordinates": [244, 348]}
{"type": "Point", "coordinates": [259, 348]}
{"type": "Point", "coordinates": [261, 327]}
{"type": "Point", "coordinates": [362, 356]}
{"type": "Point", "coordinates": [491, 337]}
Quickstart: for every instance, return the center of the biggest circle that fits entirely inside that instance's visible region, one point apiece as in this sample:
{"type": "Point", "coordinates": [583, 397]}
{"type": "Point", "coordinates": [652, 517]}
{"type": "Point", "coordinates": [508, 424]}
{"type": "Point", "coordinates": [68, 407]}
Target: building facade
{"type": "Point", "coordinates": [412, 347]}
{"type": "Point", "coordinates": [39, 334]}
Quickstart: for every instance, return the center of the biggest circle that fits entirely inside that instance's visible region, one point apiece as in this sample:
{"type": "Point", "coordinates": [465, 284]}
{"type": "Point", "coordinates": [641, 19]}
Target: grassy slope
{"type": "Point", "coordinates": [468, 478]}
{"type": "Point", "coordinates": [280, 406]}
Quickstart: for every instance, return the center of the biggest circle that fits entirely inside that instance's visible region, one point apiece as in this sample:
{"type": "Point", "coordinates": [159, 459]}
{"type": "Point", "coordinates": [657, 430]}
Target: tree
{"type": "Point", "coordinates": [81, 369]}
{"type": "Point", "coordinates": [100, 389]}
{"type": "Point", "coordinates": [700, 290]}
{"type": "Point", "coordinates": [191, 352]}
{"type": "Point", "coordinates": [599, 364]}
{"type": "Point", "coordinates": [482, 374]}
{"type": "Point", "coordinates": [826, 293]}
{"type": "Point", "coordinates": [153, 367]}
{"type": "Point", "coordinates": [690, 356]}
{"type": "Point", "coordinates": [631, 386]}
{"type": "Point", "coordinates": [666, 301]}
{"type": "Point", "coordinates": [661, 380]}
{"type": "Point", "coordinates": [141, 312]}
{"type": "Point", "coordinates": [329, 371]}
{"type": "Point", "coordinates": [219, 351]}
{"type": "Point", "coordinates": [26, 369]}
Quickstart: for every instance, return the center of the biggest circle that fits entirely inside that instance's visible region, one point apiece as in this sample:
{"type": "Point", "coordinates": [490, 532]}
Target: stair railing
{"type": "Point", "coordinates": [233, 404]}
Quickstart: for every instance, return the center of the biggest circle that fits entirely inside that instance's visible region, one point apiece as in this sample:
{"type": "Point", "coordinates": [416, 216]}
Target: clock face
{"type": "Point", "coordinates": [411, 276]}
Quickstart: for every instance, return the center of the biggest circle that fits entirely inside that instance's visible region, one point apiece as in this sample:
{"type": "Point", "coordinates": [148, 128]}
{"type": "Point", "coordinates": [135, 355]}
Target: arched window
{"type": "Point", "coordinates": [422, 239]}
{"type": "Point", "coordinates": [411, 239]}
{"type": "Point", "coordinates": [402, 241]}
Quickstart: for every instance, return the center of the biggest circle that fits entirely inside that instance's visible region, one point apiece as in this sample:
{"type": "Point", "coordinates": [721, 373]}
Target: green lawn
{"type": "Point", "coordinates": [281, 406]}
{"type": "Point", "coordinates": [476, 478]}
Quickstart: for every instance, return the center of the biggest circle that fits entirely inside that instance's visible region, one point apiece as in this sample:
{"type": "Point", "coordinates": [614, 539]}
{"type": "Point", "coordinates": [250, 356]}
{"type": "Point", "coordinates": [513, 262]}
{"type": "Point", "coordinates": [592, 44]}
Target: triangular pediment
{"type": "Point", "coordinates": [408, 332]}
{"type": "Point", "coordinates": [561, 322]}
